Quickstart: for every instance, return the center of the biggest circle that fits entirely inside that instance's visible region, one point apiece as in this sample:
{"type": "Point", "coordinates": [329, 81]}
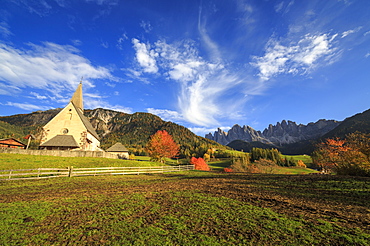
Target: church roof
{"type": "Point", "coordinates": [86, 123]}
{"type": "Point", "coordinates": [77, 98]}
{"type": "Point", "coordinates": [117, 147]}
{"type": "Point", "coordinates": [61, 141]}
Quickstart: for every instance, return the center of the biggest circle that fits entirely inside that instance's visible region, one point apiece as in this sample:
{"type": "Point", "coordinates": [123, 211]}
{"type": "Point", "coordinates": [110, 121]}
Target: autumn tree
{"type": "Point", "coordinates": [161, 145]}
{"type": "Point", "coordinates": [345, 157]}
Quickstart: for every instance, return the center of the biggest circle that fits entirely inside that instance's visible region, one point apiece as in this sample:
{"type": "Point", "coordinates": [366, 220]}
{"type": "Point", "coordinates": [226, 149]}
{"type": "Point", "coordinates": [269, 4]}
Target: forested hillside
{"type": "Point", "coordinates": [132, 130]}
{"type": "Point", "coordinates": [359, 122]}
{"type": "Point", "coordinates": [11, 131]}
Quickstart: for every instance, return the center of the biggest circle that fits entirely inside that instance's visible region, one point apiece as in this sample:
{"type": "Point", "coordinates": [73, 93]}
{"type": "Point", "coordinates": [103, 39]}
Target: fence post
{"type": "Point", "coordinates": [70, 171]}
{"type": "Point", "coordinates": [38, 172]}
{"type": "Point", "coordinates": [10, 174]}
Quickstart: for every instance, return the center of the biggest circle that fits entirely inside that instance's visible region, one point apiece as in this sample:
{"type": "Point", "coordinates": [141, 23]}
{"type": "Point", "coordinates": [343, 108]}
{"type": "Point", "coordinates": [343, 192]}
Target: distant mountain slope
{"type": "Point", "coordinates": [132, 130]}
{"type": "Point", "coordinates": [359, 122]}
{"type": "Point", "coordinates": [33, 119]}
{"type": "Point", "coordinates": [11, 131]}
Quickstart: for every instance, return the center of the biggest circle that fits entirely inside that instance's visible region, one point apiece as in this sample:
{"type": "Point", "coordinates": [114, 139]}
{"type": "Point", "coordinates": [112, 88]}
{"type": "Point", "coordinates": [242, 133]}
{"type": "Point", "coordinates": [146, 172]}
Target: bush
{"type": "Point", "coordinates": [199, 164]}
{"type": "Point", "coordinates": [228, 170]}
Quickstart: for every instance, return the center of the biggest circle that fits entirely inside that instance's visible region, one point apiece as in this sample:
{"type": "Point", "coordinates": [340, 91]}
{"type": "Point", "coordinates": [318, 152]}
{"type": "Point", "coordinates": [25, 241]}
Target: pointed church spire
{"type": "Point", "coordinates": [77, 99]}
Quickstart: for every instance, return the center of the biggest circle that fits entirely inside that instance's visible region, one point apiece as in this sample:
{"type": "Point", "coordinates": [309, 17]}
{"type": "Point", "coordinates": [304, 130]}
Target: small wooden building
{"type": "Point", "coordinates": [120, 150]}
{"type": "Point", "coordinates": [12, 143]}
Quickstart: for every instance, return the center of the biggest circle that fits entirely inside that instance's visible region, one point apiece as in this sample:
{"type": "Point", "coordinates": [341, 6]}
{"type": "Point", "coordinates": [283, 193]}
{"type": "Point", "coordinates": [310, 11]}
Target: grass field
{"type": "Point", "coordinates": [187, 208]}
{"type": "Point", "coordinates": [20, 161]}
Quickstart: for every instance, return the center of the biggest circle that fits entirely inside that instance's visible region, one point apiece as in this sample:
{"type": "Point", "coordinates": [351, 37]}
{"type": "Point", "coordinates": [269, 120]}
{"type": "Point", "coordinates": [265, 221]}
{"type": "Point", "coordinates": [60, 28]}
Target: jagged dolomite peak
{"type": "Point", "coordinates": [286, 132]}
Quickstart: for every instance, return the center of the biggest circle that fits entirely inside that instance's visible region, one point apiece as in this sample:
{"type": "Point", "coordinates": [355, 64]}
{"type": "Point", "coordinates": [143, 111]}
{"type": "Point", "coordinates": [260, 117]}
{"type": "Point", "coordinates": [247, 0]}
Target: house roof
{"type": "Point", "coordinates": [117, 147]}
{"type": "Point", "coordinates": [61, 141]}
{"type": "Point", "coordinates": [11, 141]}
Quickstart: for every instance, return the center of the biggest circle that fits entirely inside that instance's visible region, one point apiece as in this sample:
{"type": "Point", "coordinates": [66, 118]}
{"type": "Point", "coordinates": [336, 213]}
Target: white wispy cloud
{"type": "Point", "coordinates": [165, 114]}
{"type": "Point", "coordinates": [296, 57]}
{"type": "Point", "coordinates": [145, 56]}
{"type": "Point", "coordinates": [51, 66]}
{"type": "Point", "coordinates": [146, 26]}
{"type": "Point", "coordinates": [203, 84]}
{"type": "Point", "coordinates": [283, 7]}
{"type": "Point", "coordinates": [38, 96]}
{"type": "Point", "coordinates": [5, 29]}
{"type": "Point", "coordinates": [346, 33]}
{"type": "Point", "coordinates": [26, 106]}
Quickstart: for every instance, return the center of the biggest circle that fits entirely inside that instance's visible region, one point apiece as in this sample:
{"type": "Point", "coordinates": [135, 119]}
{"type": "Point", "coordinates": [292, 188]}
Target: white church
{"type": "Point", "coordinates": [70, 129]}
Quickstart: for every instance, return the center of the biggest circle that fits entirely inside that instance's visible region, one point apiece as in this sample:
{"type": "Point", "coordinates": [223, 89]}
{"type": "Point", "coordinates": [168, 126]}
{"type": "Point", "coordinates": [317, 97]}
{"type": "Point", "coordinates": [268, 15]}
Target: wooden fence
{"type": "Point", "coordinates": [41, 173]}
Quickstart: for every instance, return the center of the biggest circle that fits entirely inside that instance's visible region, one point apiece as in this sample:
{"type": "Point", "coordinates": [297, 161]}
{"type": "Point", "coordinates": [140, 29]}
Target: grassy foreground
{"type": "Point", "coordinates": [189, 208]}
{"type": "Point", "coordinates": [20, 161]}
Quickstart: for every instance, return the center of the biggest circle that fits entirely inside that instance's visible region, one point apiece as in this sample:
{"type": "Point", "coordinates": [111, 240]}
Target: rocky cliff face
{"type": "Point", "coordinates": [245, 133]}
{"type": "Point", "coordinates": [279, 134]}
{"type": "Point", "coordinates": [101, 120]}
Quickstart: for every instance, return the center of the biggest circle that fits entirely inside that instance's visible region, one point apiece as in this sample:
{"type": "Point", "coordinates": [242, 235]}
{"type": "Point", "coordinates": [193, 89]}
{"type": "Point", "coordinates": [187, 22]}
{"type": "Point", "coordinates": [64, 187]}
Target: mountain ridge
{"type": "Point", "coordinates": [286, 132]}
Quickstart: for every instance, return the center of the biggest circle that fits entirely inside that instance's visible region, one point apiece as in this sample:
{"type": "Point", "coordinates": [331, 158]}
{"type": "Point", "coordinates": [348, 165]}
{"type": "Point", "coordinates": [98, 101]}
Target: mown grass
{"type": "Point", "coordinates": [20, 161]}
{"type": "Point", "coordinates": [187, 208]}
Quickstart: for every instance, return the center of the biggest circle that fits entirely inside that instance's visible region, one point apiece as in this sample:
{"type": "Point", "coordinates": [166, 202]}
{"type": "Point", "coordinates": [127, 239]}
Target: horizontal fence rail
{"type": "Point", "coordinates": [34, 173]}
{"type": "Point", "coordinates": [40, 173]}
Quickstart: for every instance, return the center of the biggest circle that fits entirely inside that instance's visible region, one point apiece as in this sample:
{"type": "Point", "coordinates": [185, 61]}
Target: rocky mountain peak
{"type": "Point", "coordinates": [284, 132]}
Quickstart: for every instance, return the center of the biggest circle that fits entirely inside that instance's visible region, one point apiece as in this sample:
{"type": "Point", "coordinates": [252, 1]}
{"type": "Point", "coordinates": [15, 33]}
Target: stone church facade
{"type": "Point", "coordinates": [70, 129]}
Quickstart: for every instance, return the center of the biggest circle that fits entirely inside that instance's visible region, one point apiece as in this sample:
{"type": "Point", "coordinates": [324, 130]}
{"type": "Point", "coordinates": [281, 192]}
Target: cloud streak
{"type": "Point", "coordinates": [52, 67]}
{"type": "Point", "coordinates": [296, 57]}
{"type": "Point", "coordinates": [203, 84]}
{"type": "Point", "coordinates": [49, 66]}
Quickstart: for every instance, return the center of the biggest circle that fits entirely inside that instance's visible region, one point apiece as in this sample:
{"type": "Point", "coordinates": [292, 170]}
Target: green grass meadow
{"type": "Point", "coordinates": [20, 161]}
{"type": "Point", "coordinates": [182, 208]}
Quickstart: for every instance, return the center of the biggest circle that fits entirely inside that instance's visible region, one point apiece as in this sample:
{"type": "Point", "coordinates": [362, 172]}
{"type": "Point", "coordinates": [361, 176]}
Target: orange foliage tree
{"type": "Point", "coordinates": [161, 145]}
{"type": "Point", "coordinates": [341, 157]}
{"type": "Point", "coordinates": [199, 164]}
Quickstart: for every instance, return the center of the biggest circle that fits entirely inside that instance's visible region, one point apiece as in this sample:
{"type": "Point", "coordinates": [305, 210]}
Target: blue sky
{"type": "Point", "coordinates": [202, 64]}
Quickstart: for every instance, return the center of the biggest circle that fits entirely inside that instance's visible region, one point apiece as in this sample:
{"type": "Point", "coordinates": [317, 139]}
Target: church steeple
{"type": "Point", "coordinates": [77, 99]}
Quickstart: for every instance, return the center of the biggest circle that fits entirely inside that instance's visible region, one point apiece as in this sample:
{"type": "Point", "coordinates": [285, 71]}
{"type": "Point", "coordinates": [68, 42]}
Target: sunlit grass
{"type": "Point", "coordinates": [20, 161]}
{"type": "Point", "coordinates": [154, 210]}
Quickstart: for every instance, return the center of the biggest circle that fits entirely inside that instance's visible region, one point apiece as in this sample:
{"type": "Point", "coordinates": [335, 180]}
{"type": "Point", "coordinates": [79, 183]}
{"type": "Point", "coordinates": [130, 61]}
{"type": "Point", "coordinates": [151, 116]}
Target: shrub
{"type": "Point", "coordinates": [199, 164]}
{"type": "Point", "coordinates": [228, 170]}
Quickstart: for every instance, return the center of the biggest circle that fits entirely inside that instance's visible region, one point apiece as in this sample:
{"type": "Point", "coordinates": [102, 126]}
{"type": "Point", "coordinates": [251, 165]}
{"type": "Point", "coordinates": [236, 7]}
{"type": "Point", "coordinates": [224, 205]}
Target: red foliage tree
{"type": "Point", "coordinates": [161, 145]}
{"type": "Point", "coordinates": [199, 164]}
